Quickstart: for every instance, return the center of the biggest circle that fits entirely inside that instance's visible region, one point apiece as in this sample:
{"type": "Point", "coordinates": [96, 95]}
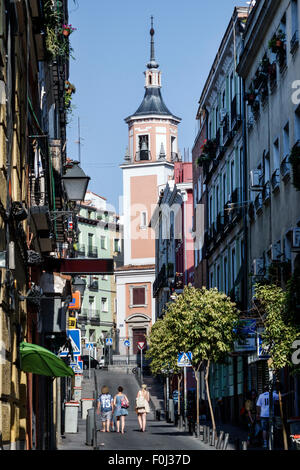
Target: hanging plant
{"type": "Point", "coordinates": [294, 160]}
{"type": "Point", "coordinates": [69, 88]}
{"type": "Point", "coordinates": [208, 149]}
{"type": "Point", "coordinates": [251, 95]}
{"type": "Point", "coordinates": [67, 29]}
{"type": "Point", "coordinates": [276, 43]}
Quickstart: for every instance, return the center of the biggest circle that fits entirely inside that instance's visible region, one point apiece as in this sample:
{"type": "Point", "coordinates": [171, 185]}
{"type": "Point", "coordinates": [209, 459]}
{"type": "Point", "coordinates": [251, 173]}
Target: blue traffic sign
{"type": "Point", "coordinates": [184, 359]}
{"type": "Point", "coordinates": [108, 341]}
{"type": "Point", "coordinates": [74, 336]}
{"type": "Point", "coordinates": [127, 343]}
{"type": "Point", "coordinates": [89, 345]}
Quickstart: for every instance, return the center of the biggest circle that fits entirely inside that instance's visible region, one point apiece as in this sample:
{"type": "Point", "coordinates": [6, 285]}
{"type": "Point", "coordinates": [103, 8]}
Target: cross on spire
{"type": "Point", "coordinates": [152, 64]}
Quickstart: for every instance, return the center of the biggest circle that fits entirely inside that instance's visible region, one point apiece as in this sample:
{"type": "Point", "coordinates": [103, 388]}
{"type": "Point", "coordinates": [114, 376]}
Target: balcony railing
{"type": "Point", "coordinates": [285, 168]}
{"type": "Point", "coordinates": [80, 251]}
{"type": "Point", "coordinates": [235, 116]}
{"type": "Point", "coordinates": [92, 252]}
{"type": "Point", "coordinates": [251, 211]}
{"type": "Point", "coordinates": [266, 192]}
{"type": "Point", "coordinates": [90, 313]}
{"type": "Point", "coordinates": [275, 180]}
{"type": "Point", "coordinates": [160, 280]}
{"type": "Point", "coordinates": [294, 42]}
{"type": "Point", "coordinates": [258, 203]}
{"type": "Point", "coordinates": [94, 285]}
{"type": "Point", "coordinates": [38, 195]}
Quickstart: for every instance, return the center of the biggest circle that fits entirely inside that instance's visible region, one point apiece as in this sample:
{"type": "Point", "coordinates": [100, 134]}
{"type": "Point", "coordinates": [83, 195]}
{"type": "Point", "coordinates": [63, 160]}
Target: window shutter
{"type": "Point", "coordinates": [138, 296]}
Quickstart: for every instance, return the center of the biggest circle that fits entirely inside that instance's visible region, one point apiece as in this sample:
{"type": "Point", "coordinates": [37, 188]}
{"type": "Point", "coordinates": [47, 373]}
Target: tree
{"type": "Point", "coordinates": [280, 330]}
{"type": "Point", "coordinates": [201, 321]}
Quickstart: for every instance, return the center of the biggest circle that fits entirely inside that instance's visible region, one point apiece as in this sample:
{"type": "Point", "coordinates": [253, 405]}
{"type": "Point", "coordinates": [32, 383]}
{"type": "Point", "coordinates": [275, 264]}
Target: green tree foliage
{"type": "Point", "coordinates": [199, 320]}
{"type": "Point", "coordinates": [280, 330]}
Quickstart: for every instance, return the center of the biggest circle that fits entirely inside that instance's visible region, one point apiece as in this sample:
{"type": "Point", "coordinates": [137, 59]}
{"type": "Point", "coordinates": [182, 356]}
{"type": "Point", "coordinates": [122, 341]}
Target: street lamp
{"type": "Point", "coordinates": [75, 183]}
{"type": "Point", "coordinates": [79, 284]}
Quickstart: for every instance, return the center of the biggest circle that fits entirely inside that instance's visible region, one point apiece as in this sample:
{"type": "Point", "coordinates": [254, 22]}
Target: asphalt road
{"type": "Point", "coordinates": [159, 435]}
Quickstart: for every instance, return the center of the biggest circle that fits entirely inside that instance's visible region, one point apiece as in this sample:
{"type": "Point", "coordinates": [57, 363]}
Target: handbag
{"type": "Point", "coordinates": [124, 403]}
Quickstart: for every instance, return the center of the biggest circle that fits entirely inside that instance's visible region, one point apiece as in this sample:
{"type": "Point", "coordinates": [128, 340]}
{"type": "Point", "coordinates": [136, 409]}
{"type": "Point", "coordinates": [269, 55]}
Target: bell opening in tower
{"type": "Point", "coordinates": [144, 152]}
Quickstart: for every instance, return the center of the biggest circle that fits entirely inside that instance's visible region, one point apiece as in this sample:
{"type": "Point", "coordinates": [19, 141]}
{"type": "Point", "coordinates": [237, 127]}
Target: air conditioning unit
{"type": "Point", "coordinates": [255, 176]}
{"type": "Point", "coordinates": [296, 237]}
{"type": "Point", "coordinates": [276, 251]}
{"type": "Point", "coordinates": [258, 268]}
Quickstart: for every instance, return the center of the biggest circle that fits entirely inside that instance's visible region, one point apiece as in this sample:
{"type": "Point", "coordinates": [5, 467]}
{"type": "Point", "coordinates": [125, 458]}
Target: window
{"type": "Point", "coordinates": [266, 168]}
{"type": "Point", "coordinates": [218, 277]}
{"type": "Point", "coordinates": [138, 296]}
{"type": "Point", "coordinates": [286, 139]}
{"type": "Point", "coordinates": [232, 179]}
{"type": "Point", "coordinates": [225, 275]}
{"type": "Point", "coordinates": [143, 147]}
{"type": "Point", "coordinates": [117, 245]}
{"type": "Point", "coordinates": [104, 304]}
{"type": "Point", "coordinates": [224, 194]}
{"type": "Point", "coordinates": [233, 268]}
{"type": "Point", "coordinates": [103, 242]}
{"type": "Point", "coordinates": [294, 6]}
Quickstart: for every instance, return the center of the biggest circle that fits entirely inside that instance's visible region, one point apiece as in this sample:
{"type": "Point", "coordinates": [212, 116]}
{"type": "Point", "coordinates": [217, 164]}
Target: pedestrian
{"type": "Point", "coordinates": [121, 403]}
{"type": "Point", "coordinates": [263, 412]}
{"type": "Point", "coordinates": [142, 406]}
{"type": "Point", "coordinates": [250, 414]}
{"type": "Point", "coordinates": [106, 406]}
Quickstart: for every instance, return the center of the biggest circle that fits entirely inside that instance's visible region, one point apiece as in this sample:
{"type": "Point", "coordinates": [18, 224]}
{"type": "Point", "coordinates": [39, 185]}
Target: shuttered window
{"type": "Point", "coordinates": [138, 296]}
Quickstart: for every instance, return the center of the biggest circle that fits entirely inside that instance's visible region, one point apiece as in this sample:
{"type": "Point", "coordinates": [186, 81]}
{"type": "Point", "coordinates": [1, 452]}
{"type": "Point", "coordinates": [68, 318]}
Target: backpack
{"type": "Point", "coordinates": [105, 401]}
{"type": "Point", "coordinates": [140, 401]}
{"type": "Point", "coordinates": [124, 402]}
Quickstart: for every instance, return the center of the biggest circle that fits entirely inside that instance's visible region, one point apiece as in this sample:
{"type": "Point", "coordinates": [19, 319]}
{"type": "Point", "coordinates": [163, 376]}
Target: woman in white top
{"type": "Point", "coordinates": [142, 408]}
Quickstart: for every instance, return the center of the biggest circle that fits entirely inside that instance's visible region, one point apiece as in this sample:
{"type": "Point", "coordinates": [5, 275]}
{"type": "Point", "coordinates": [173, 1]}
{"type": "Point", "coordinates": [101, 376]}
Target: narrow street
{"type": "Point", "coordinates": [159, 435]}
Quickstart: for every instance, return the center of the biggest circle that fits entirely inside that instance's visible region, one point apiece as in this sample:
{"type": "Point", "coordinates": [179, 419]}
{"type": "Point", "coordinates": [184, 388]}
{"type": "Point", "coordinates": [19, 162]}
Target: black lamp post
{"type": "Point", "coordinates": [79, 284]}
{"type": "Point", "coordinates": [75, 183]}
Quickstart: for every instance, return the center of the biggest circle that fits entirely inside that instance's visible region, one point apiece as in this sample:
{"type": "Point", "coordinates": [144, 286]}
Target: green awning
{"type": "Point", "coordinates": [41, 361]}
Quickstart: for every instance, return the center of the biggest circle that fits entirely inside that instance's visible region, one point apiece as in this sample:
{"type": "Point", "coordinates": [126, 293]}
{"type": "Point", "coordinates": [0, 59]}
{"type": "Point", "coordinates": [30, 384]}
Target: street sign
{"type": "Point", "coordinates": [262, 352]}
{"type": "Point", "coordinates": [108, 341]}
{"type": "Point", "coordinates": [74, 337]}
{"type": "Point", "coordinates": [127, 343]}
{"type": "Point", "coordinates": [72, 323]}
{"type": "Point", "coordinates": [89, 345]}
{"type": "Point", "coordinates": [141, 345]}
{"type": "Point", "coordinates": [184, 359]}
{"type": "Point", "coordinates": [75, 303]}
{"type": "Point", "coordinates": [77, 366]}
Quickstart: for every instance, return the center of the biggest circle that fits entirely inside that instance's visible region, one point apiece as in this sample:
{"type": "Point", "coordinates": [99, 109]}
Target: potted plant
{"type": "Point", "coordinates": [294, 160]}
{"type": "Point", "coordinates": [251, 95]}
{"type": "Point", "coordinates": [69, 88]}
{"type": "Point", "coordinates": [277, 41]}
{"type": "Point", "coordinates": [67, 29]}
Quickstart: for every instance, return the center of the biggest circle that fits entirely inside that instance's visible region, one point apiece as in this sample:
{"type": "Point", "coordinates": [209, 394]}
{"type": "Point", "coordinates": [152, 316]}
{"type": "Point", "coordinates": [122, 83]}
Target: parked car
{"type": "Point", "coordinates": [93, 364]}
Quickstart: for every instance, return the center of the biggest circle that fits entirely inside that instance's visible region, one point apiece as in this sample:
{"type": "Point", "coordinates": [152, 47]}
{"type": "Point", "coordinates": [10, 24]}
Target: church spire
{"type": "Point", "coordinates": [152, 64]}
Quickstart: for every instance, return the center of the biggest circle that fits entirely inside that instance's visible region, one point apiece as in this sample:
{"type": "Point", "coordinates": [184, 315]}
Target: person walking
{"type": "Point", "coordinates": [250, 414]}
{"type": "Point", "coordinates": [106, 406]}
{"type": "Point", "coordinates": [142, 406]}
{"type": "Point", "coordinates": [263, 412]}
{"type": "Point", "coordinates": [121, 403]}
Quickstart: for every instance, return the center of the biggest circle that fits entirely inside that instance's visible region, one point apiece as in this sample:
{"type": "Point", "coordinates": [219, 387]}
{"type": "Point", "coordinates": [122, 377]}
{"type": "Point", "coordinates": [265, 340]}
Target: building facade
{"type": "Point", "coordinates": [100, 236]}
{"type": "Point", "coordinates": [149, 161]}
{"type": "Point", "coordinates": [172, 221]}
{"type": "Point", "coordinates": [219, 199]}
{"type": "Point", "coordinates": [273, 132]}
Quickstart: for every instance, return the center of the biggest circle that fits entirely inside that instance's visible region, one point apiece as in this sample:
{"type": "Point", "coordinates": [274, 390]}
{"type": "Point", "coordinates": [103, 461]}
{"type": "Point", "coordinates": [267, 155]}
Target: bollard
{"type": "Point", "coordinates": [201, 432]}
{"type": "Point", "coordinates": [157, 415]}
{"type": "Point", "coordinates": [219, 440]}
{"type": "Point", "coordinates": [226, 440]}
{"type": "Point", "coordinates": [180, 423]}
{"type": "Point", "coordinates": [211, 435]}
{"type": "Point", "coordinates": [90, 427]}
{"type": "Point", "coordinates": [206, 434]}
{"type": "Point", "coordinates": [214, 438]}
{"type": "Point", "coordinates": [244, 445]}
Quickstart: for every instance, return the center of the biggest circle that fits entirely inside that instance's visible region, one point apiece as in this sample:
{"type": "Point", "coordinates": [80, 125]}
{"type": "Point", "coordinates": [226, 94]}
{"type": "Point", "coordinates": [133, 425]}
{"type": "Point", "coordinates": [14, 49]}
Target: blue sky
{"type": "Point", "coordinates": [111, 48]}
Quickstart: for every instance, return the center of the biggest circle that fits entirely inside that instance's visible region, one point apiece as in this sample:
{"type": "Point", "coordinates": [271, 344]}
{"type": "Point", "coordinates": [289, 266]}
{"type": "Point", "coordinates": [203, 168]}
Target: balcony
{"type": "Point", "coordinates": [80, 251]}
{"type": "Point", "coordinates": [285, 168]}
{"type": "Point", "coordinates": [294, 44]}
{"type": "Point", "coordinates": [258, 203]}
{"type": "Point", "coordinates": [275, 180]}
{"type": "Point", "coordinates": [92, 252]}
{"type": "Point", "coordinates": [235, 116]}
{"type": "Point", "coordinates": [94, 285]}
{"type": "Point", "coordinates": [266, 192]}
{"type": "Point", "coordinates": [160, 281]}
{"type": "Point", "coordinates": [220, 223]}
{"type": "Point", "coordinates": [251, 211]}
{"type": "Point", "coordinates": [91, 315]}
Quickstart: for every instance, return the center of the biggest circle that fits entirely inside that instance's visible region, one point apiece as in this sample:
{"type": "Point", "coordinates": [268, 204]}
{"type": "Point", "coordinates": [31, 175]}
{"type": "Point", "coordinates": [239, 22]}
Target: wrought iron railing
{"type": "Point", "coordinates": [285, 167]}
{"type": "Point", "coordinates": [275, 179]}
{"type": "Point", "coordinates": [92, 252]}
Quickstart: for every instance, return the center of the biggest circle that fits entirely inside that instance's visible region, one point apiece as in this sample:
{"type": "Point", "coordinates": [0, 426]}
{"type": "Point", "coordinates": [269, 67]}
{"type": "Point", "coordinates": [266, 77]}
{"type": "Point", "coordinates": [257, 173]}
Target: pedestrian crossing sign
{"type": "Point", "coordinates": [74, 337]}
{"type": "Point", "coordinates": [184, 359]}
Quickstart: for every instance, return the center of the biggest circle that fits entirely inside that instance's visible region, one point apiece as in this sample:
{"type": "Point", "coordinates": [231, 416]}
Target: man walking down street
{"type": "Point", "coordinates": [106, 406]}
{"type": "Point", "coordinates": [263, 412]}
